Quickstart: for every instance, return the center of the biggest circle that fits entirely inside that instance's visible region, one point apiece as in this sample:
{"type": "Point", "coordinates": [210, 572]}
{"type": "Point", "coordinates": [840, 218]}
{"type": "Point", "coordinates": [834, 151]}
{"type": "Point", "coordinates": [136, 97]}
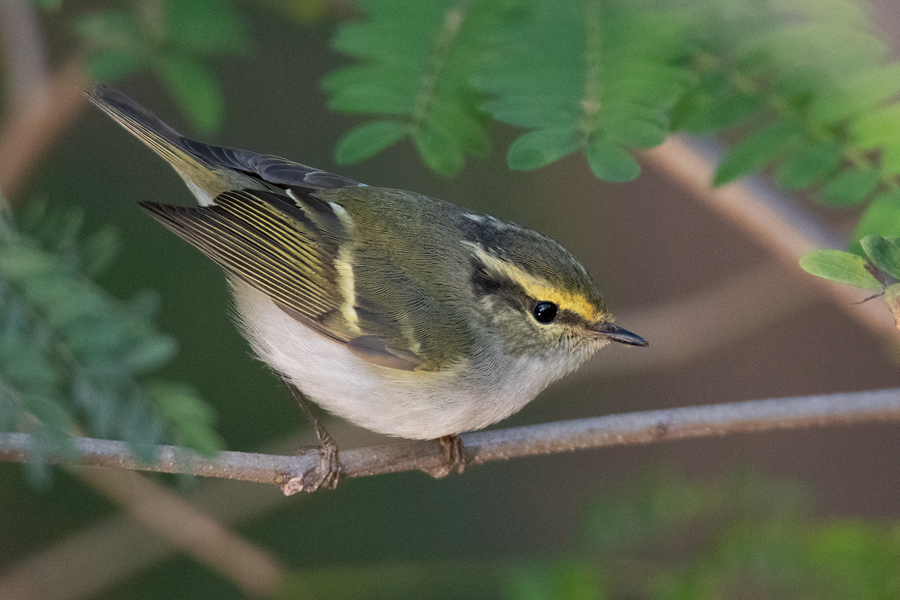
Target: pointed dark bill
{"type": "Point", "coordinates": [619, 334]}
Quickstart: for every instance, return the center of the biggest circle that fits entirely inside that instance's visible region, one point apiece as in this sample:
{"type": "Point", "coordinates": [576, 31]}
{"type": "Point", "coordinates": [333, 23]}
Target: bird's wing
{"type": "Point", "coordinates": [290, 248]}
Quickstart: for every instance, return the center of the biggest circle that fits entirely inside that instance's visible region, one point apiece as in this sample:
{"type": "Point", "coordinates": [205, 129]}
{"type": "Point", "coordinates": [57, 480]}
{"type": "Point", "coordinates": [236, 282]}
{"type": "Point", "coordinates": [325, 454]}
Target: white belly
{"type": "Point", "coordinates": [418, 405]}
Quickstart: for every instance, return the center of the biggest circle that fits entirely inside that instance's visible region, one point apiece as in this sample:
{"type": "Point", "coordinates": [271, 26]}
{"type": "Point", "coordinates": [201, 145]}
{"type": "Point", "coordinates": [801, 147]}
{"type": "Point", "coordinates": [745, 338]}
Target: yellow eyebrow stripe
{"type": "Point", "coordinates": [536, 287]}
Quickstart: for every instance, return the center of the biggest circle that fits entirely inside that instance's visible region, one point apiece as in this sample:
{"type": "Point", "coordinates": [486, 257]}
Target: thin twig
{"type": "Point", "coordinates": [480, 447]}
{"type": "Point", "coordinates": [111, 550]}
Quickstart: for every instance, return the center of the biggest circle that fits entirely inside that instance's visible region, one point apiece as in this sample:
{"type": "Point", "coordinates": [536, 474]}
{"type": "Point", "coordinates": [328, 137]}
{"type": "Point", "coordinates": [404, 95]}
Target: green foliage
{"type": "Point", "coordinates": [569, 71]}
{"type": "Point", "coordinates": [72, 358]}
{"type": "Point", "coordinates": [884, 253]}
{"type": "Point", "coordinates": [569, 579]}
{"type": "Point", "coordinates": [667, 537]}
{"type": "Point", "coordinates": [808, 83]}
{"type": "Point", "coordinates": [758, 150]}
{"type": "Point", "coordinates": [415, 579]}
{"type": "Point", "coordinates": [879, 271]}
{"type": "Point", "coordinates": [741, 535]}
{"type": "Point", "coordinates": [812, 90]}
{"type": "Point", "coordinates": [881, 218]}
{"type": "Point", "coordinates": [173, 39]}
{"type": "Point", "coordinates": [805, 86]}
{"type": "Point", "coordinates": [843, 267]}
{"type": "Point", "coordinates": [580, 76]}
{"type": "Point", "coordinates": [416, 62]}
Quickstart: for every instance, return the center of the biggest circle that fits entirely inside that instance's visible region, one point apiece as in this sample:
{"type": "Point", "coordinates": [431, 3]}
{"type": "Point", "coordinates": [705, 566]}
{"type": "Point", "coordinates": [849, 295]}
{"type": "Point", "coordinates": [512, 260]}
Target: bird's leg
{"type": "Point", "coordinates": [454, 454]}
{"type": "Point", "coordinates": [329, 470]}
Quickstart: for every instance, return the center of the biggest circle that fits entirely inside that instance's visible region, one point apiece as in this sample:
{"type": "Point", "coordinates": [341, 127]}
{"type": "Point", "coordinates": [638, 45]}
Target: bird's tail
{"type": "Point", "coordinates": [201, 176]}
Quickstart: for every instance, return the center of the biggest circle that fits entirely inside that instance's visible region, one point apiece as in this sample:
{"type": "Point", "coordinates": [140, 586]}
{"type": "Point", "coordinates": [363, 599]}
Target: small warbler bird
{"type": "Point", "coordinates": [404, 314]}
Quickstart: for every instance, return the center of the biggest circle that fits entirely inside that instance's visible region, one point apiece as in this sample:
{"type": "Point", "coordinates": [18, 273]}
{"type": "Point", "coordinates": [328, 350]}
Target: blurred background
{"type": "Point", "coordinates": [729, 318]}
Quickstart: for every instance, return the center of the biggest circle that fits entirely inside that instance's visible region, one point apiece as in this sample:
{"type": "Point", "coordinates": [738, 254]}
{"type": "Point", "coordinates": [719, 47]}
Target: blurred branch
{"type": "Point", "coordinates": [778, 224]}
{"type": "Point", "coordinates": [24, 52]}
{"type": "Point", "coordinates": [766, 294]}
{"type": "Point", "coordinates": [41, 105]}
{"type": "Point", "coordinates": [480, 447]}
{"type": "Point", "coordinates": [30, 129]}
{"type": "Point", "coordinates": [187, 529]}
{"type": "Point", "coordinates": [92, 560]}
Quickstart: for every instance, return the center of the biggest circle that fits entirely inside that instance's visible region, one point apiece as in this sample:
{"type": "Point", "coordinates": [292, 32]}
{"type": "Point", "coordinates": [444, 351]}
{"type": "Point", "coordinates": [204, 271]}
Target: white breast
{"type": "Point", "coordinates": [418, 405]}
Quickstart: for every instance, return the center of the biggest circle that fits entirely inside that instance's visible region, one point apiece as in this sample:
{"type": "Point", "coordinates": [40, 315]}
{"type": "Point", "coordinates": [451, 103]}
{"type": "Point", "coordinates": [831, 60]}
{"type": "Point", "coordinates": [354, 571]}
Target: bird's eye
{"type": "Point", "coordinates": [544, 312]}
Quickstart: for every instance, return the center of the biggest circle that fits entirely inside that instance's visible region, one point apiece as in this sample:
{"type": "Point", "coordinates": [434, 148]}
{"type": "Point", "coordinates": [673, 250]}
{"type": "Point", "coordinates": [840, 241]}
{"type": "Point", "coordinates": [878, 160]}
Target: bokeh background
{"type": "Point", "coordinates": [666, 260]}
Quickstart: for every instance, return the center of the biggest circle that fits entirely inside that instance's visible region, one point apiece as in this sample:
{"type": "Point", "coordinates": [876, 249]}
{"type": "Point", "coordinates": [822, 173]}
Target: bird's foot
{"type": "Point", "coordinates": [325, 475]}
{"type": "Point", "coordinates": [328, 472]}
{"type": "Point", "coordinates": [454, 457]}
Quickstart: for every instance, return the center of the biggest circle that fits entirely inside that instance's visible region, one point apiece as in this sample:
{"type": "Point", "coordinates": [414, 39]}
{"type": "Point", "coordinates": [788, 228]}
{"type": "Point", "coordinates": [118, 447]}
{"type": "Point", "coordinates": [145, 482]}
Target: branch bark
{"type": "Point", "coordinates": [481, 447]}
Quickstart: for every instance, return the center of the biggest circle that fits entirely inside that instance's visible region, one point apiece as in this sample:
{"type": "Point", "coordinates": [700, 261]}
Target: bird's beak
{"type": "Point", "coordinates": [618, 334]}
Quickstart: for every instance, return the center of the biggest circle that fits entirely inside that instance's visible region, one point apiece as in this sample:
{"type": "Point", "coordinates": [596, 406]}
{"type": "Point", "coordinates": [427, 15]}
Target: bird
{"type": "Point", "coordinates": [402, 313]}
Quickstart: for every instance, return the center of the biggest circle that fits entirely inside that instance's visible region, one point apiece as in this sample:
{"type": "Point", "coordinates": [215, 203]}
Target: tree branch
{"type": "Point", "coordinates": [24, 51]}
{"type": "Point", "coordinates": [776, 222]}
{"type": "Point", "coordinates": [30, 130]}
{"type": "Point", "coordinates": [481, 447]}
{"type": "Point", "coordinates": [711, 312]}
{"type": "Point", "coordinates": [251, 568]}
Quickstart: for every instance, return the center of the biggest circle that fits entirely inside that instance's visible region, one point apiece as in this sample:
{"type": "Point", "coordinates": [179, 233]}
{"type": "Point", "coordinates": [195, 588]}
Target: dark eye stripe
{"type": "Point", "coordinates": [484, 283]}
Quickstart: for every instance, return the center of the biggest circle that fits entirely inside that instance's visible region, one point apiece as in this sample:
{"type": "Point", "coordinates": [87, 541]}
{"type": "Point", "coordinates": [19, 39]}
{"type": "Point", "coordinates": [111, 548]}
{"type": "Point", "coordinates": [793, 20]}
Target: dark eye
{"type": "Point", "coordinates": [544, 312]}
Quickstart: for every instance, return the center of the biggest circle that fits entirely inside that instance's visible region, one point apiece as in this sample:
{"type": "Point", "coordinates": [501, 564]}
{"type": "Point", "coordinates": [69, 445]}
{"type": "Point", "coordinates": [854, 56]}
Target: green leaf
{"type": "Point", "coordinates": [531, 112]}
{"type": "Point", "coordinates": [850, 187]}
{"type": "Point", "coordinates": [439, 151]}
{"type": "Point", "coordinates": [877, 128]}
{"type": "Point", "coordinates": [881, 218]}
{"type": "Point", "coordinates": [468, 128]}
{"type": "Point", "coordinates": [856, 94]}
{"type": "Point", "coordinates": [757, 150]}
{"type": "Point", "coordinates": [542, 147]}
{"type": "Point", "coordinates": [892, 299]}
{"type": "Point", "coordinates": [112, 29]}
{"type": "Point", "coordinates": [205, 26]}
{"type": "Point", "coordinates": [369, 139]}
{"type": "Point", "coordinates": [884, 253]}
{"type": "Point", "coordinates": [142, 430]}
{"type": "Point", "coordinates": [371, 78]}
{"type": "Point", "coordinates": [611, 162]}
{"type": "Point", "coordinates": [188, 415]}
{"type": "Point", "coordinates": [195, 89]}
{"type": "Point", "coordinates": [151, 354]}
{"type": "Point", "coordinates": [578, 75]}
{"type": "Point", "coordinates": [108, 65]}
{"type": "Point", "coordinates": [146, 304]}
{"type": "Point", "coordinates": [564, 579]}
{"type": "Point", "coordinates": [636, 132]}
{"type": "Point", "coordinates": [839, 266]}
{"type": "Point", "coordinates": [415, 62]}
{"type": "Point", "coordinates": [890, 158]}
{"type": "Point", "coordinates": [99, 250]}
{"type": "Point", "coordinates": [713, 105]}
{"type": "Point", "coordinates": [809, 166]}
{"type": "Point", "coordinates": [70, 354]}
